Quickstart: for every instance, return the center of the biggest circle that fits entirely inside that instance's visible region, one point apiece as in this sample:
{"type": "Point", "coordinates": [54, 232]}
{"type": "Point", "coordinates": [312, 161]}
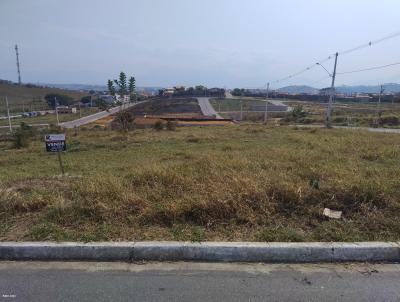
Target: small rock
{"type": "Point", "coordinates": [332, 214]}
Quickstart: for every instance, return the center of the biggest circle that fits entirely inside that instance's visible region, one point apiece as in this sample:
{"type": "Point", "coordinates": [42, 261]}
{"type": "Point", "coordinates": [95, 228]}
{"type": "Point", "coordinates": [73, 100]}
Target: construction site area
{"type": "Point", "coordinates": [181, 111]}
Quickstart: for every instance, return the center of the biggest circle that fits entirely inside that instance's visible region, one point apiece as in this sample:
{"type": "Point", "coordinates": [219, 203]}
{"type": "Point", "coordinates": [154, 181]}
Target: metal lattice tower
{"type": "Point", "coordinates": [19, 72]}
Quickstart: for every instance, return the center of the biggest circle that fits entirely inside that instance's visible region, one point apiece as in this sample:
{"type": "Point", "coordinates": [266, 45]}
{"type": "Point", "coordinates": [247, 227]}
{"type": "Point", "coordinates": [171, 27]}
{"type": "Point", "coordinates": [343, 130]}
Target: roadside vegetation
{"type": "Point", "coordinates": [247, 182]}
{"type": "Point", "coordinates": [50, 118]}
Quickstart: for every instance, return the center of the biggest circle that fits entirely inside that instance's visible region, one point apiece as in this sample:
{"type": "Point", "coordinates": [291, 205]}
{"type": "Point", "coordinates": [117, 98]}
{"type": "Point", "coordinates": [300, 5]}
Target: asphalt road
{"type": "Point", "coordinates": [94, 117]}
{"type": "Point", "coordinates": [280, 103]}
{"type": "Point", "coordinates": [68, 281]}
{"type": "Point", "coordinates": [206, 108]}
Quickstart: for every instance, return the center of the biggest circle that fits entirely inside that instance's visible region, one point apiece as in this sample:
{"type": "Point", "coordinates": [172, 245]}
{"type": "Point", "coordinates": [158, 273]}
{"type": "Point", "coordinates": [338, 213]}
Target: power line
{"type": "Point", "coordinates": [370, 68]}
{"type": "Point", "coordinates": [302, 71]}
{"type": "Point", "coordinates": [369, 44]}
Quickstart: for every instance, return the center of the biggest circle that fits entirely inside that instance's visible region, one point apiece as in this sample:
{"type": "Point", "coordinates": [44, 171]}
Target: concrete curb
{"type": "Point", "coordinates": [207, 251]}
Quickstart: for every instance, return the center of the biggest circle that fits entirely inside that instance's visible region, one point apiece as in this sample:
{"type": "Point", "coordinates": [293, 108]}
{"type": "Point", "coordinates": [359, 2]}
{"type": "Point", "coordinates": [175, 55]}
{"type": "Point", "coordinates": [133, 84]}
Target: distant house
{"type": "Point", "coordinates": [122, 98]}
{"type": "Point", "coordinates": [169, 91]}
{"type": "Point", "coordinates": [66, 109]}
{"type": "Point", "coordinates": [109, 99]}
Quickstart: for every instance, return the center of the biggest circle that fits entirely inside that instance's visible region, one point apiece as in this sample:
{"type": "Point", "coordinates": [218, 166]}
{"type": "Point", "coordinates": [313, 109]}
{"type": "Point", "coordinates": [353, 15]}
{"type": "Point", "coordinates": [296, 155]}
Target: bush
{"type": "Point", "coordinates": [22, 136]}
{"type": "Point", "coordinates": [297, 115]}
{"type": "Point", "coordinates": [159, 126]}
{"type": "Point", "coordinates": [389, 120]}
{"type": "Point", "coordinates": [124, 121]}
{"type": "Point", "coordinates": [171, 126]}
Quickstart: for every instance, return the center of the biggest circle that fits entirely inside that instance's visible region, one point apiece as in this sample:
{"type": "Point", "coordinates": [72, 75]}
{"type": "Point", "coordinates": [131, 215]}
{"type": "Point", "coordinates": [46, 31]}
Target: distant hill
{"type": "Point", "coordinates": [87, 87]}
{"type": "Point", "coordinates": [390, 87]}
{"type": "Point", "coordinates": [298, 89]}
{"type": "Point", "coordinates": [29, 96]}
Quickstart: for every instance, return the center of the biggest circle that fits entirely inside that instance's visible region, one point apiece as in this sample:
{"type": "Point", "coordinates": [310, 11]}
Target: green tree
{"type": "Point", "coordinates": [102, 104]}
{"type": "Point", "coordinates": [86, 99]}
{"type": "Point", "coordinates": [190, 90]}
{"type": "Point", "coordinates": [61, 99]}
{"type": "Point", "coordinates": [111, 88]}
{"type": "Point", "coordinates": [237, 92]}
{"type": "Point", "coordinates": [200, 88]}
{"type": "Point", "coordinates": [132, 88]}
{"type": "Point", "coordinates": [122, 83]}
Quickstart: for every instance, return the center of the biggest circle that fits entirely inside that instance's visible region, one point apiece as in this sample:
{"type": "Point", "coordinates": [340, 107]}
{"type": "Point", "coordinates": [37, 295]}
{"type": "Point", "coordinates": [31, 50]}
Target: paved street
{"type": "Point", "coordinates": [206, 108]}
{"type": "Point", "coordinates": [68, 281]}
{"type": "Point", "coordinates": [94, 117]}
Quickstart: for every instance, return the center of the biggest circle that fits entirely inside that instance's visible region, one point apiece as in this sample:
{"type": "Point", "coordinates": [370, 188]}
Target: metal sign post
{"type": "Point", "coordinates": [56, 143]}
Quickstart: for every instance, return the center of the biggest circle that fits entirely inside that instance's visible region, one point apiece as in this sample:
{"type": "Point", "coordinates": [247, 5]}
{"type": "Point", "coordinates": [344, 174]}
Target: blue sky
{"type": "Point", "coordinates": [212, 42]}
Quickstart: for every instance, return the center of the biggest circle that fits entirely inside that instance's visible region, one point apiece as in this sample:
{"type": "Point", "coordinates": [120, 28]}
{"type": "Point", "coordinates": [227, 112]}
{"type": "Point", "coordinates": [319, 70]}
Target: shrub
{"type": "Point", "coordinates": [389, 120]}
{"type": "Point", "coordinates": [124, 121]}
{"type": "Point", "coordinates": [22, 136]}
{"type": "Point", "coordinates": [171, 126]}
{"type": "Point", "coordinates": [297, 115]}
{"type": "Point", "coordinates": [159, 126]}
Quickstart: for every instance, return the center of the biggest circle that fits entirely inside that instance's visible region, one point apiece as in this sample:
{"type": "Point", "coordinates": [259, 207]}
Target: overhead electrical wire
{"type": "Point", "coordinates": [370, 68]}
{"type": "Point", "coordinates": [369, 44]}
{"type": "Point", "coordinates": [302, 71]}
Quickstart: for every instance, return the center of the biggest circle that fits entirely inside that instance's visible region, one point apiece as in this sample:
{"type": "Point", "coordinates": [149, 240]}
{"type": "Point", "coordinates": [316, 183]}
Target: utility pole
{"type": "Point", "coordinates": [55, 103]}
{"type": "Point", "coordinates": [331, 95]}
{"type": "Point", "coordinates": [241, 110]}
{"type": "Point", "coordinates": [58, 121]}
{"type": "Point", "coordinates": [19, 72]}
{"type": "Point", "coordinates": [8, 114]}
{"type": "Point", "coordinates": [379, 105]}
{"type": "Point", "coordinates": [266, 105]}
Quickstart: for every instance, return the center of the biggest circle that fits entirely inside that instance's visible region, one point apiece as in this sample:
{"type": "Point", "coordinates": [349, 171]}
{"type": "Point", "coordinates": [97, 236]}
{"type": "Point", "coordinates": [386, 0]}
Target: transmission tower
{"type": "Point", "coordinates": [19, 72]}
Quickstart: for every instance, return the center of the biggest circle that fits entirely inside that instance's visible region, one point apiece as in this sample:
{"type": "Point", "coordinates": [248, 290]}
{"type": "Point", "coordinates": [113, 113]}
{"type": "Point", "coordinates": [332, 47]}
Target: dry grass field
{"type": "Point", "coordinates": [240, 182]}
